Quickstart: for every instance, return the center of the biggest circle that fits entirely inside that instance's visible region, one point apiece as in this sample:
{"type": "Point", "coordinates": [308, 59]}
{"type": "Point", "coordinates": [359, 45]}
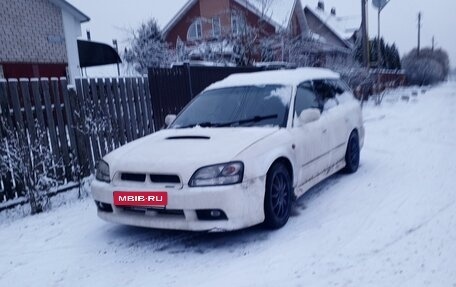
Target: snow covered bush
{"type": "Point", "coordinates": [93, 123]}
{"type": "Point", "coordinates": [426, 67]}
{"type": "Point", "coordinates": [31, 163]}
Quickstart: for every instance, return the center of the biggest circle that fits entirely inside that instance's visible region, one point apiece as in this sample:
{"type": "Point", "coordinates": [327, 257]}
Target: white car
{"type": "Point", "coordinates": [238, 155]}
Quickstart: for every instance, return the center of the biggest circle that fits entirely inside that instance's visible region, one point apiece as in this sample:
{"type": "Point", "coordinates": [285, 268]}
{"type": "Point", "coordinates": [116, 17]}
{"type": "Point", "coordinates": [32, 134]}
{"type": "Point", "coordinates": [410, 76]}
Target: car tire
{"type": "Point", "coordinates": [352, 155]}
{"type": "Point", "coordinates": [278, 196]}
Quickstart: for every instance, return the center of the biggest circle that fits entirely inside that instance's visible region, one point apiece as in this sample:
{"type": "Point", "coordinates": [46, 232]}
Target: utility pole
{"type": "Point", "coordinates": [379, 50]}
{"type": "Point", "coordinates": [433, 43]}
{"type": "Point", "coordinates": [365, 36]}
{"type": "Point", "coordinates": [419, 33]}
{"type": "Point", "coordinates": [380, 5]}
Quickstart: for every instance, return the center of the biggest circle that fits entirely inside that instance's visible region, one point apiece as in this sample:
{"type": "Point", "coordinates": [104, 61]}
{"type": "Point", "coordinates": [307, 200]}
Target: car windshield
{"type": "Point", "coordinates": [238, 106]}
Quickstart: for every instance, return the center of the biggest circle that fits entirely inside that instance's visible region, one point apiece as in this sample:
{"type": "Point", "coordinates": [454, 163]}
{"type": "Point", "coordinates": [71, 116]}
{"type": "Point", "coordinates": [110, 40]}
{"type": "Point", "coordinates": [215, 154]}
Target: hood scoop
{"type": "Point", "coordinates": [188, 138]}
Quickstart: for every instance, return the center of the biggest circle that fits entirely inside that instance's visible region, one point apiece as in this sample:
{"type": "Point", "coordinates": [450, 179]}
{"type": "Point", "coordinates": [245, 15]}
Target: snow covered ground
{"type": "Point", "coordinates": [391, 224]}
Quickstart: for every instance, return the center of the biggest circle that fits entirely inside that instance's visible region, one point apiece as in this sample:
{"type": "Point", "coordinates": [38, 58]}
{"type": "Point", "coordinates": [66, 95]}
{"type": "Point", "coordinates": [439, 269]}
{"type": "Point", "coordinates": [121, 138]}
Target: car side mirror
{"type": "Point", "coordinates": [308, 116]}
{"type": "Point", "coordinates": [169, 119]}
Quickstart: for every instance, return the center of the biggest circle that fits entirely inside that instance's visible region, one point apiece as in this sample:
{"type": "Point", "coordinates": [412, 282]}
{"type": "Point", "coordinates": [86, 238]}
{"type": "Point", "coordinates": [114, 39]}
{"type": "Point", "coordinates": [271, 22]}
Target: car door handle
{"type": "Point", "coordinates": [325, 130]}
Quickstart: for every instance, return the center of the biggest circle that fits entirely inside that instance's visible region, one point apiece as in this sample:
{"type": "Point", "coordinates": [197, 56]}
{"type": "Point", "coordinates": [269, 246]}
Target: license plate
{"type": "Point", "coordinates": [131, 198]}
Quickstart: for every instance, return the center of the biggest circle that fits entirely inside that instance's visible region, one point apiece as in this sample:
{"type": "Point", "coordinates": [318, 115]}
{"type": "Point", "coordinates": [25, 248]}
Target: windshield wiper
{"type": "Point", "coordinates": [203, 125]}
{"type": "Point", "coordinates": [254, 119]}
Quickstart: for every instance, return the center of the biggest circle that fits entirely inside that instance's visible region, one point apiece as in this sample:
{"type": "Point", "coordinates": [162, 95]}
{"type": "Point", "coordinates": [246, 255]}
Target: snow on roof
{"type": "Point", "coordinates": [179, 15]}
{"type": "Point", "coordinates": [343, 27]}
{"type": "Point", "coordinates": [75, 12]}
{"type": "Point", "coordinates": [279, 77]}
{"type": "Point", "coordinates": [278, 11]}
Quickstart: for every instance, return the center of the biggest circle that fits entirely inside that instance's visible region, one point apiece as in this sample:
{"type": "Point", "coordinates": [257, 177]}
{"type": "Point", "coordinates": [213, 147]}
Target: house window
{"type": "Point", "coordinates": [216, 27]}
{"type": "Point", "coordinates": [195, 31]}
{"type": "Point", "coordinates": [236, 24]}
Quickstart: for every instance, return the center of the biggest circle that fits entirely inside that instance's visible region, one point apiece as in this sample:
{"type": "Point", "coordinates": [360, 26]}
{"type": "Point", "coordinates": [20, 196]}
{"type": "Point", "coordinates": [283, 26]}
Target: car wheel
{"type": "Point", "coordinates": [352, 154]}
{"type": "Point", "coordinates": [277, 202]}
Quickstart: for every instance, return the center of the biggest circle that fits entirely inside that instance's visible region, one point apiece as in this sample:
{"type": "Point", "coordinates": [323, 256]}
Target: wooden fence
{"type": "Point", "coordinates": [82, 123]}
{"type": "Point", "coordinates": [174, 88]}
{"type": "Point", "coordinates": [86, 121]}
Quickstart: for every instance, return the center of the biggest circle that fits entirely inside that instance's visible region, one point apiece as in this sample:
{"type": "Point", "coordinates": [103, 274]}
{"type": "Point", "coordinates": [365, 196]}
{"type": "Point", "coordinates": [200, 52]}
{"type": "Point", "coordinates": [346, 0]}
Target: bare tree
{"type": "Point", "coordinates": [32, 164]}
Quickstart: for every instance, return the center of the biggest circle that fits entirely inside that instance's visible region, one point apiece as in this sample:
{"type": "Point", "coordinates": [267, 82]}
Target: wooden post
{"type": "Point", "coordinates": [69, 122]}
{"type": "Point", "coordinates": [89, 103]}
{"type": "Point", "coordinates": [7, 123]}
{"type": "Point", "coordinates": [149, 106]}
{"type": "Point", "coordinates": [120, 117]}
{"type": "Point", "coordinates": [51, 123]}
{"type": "Point", "coordinates": [126, 110]}
{"type": "Point", "coordinates": [131, 108]}
{"type": "Point", "coordinates": [145, 111]}
{"type": "Point", "coordinates": [64, 149]}
{"type": "Point", "coordinates": [112, 114]}
{"type": "Point", "coordinates": [83, 152]}
{"type": "Point", "coordinates": [82, 100]}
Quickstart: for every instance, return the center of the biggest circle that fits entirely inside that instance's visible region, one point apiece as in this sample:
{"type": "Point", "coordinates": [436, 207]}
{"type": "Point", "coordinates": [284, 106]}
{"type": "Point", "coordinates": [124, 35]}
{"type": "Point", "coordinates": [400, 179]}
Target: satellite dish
{"type": "Point", "coordinates": [379, 4]}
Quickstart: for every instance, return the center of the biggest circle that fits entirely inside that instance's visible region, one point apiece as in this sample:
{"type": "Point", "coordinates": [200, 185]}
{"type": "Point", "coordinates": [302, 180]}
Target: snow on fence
{"type": "Point", "coordinates": [80, 123]}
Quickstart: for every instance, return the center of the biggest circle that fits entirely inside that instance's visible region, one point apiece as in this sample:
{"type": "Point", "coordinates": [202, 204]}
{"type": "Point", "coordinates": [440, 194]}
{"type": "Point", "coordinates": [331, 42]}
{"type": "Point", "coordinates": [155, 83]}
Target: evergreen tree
{"type": "Point", "coordinates": [390, 58]}
{"type": "Point", "coordinates": [147, 48]}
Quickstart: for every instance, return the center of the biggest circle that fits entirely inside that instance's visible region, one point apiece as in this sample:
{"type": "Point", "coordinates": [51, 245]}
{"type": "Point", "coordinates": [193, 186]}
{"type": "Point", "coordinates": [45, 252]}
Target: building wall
{"type": "Point", "coordinates": [211, 8]}
{"type": "Point", "coordinates": [206, 9]}
{"type": "Point", "coordinates": [30, 70]}
{"type": "Point", "coordinates": [31, 31]}
{"type": "Point", "coordinates": [252, 19]}
{"type": "Point", "coordinates": [72, 30]}
{"type": "Point", "coordinates": [180, 29]}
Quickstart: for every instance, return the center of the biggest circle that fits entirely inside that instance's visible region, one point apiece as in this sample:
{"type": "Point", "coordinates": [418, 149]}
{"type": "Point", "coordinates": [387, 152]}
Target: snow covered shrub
{"type": "Point", "coordinates": [426, 67]}
{"type": "Point", "coordinates": [92, 123]}
{"type": "Point", "coordinates": [32, 164]}
{"type": "Point", "coordinates": [95, 121]}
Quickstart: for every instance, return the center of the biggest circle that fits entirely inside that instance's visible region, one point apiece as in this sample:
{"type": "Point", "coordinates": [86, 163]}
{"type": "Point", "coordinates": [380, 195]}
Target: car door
{"type": "Point", "coordinates": [310, 139]}
{"type": "Point", "coordinates": [334, 117]}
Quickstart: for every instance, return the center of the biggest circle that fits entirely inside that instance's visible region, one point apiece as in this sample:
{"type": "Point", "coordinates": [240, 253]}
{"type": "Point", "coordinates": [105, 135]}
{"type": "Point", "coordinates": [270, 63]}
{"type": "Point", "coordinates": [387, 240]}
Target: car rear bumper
{"type": "Point", "coordinates": [189, 208]}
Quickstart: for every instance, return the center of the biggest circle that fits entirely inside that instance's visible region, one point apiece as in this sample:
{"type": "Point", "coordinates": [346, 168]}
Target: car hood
{"type": "Point", "coordinates": [175, 150]}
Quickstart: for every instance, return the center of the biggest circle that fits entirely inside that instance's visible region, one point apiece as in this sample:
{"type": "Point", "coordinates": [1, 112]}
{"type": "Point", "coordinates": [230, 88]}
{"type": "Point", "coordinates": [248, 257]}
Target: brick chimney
{"type": "Point", "coordinates": [321, 5]}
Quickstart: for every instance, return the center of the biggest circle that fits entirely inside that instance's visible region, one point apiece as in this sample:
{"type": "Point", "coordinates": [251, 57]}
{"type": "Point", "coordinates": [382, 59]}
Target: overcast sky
{"type": "Point", "coordinates": [110, 19]}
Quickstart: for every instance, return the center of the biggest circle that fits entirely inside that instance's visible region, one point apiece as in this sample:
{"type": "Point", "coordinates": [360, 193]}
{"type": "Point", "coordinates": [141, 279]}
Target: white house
{"type": "Point", "coordinates": [38, 38]}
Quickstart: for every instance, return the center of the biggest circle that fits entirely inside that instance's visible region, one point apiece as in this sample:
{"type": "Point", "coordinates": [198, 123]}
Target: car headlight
{"type": "Point", "coordinates": [102, 173]}
{"type": "Point", "coordinates": [219, 174]}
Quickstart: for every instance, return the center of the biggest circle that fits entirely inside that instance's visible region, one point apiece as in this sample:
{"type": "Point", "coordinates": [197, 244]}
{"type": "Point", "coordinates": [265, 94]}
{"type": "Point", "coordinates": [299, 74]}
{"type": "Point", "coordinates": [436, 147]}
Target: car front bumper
{"type": "Point", "coordinates": [241, 203]}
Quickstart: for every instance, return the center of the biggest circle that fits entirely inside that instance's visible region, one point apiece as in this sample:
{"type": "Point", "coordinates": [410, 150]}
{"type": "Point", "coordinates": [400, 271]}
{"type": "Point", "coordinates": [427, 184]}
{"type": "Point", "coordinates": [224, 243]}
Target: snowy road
{"type": "Point", "coordinates": [391, 224]}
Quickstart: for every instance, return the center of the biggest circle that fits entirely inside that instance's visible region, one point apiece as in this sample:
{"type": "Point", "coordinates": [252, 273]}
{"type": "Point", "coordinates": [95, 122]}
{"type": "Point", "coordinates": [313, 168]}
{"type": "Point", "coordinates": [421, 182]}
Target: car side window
{"type": "Point", "coordinates": [327, 91]}
{"type": "Point", "coordinates": [305, 99]}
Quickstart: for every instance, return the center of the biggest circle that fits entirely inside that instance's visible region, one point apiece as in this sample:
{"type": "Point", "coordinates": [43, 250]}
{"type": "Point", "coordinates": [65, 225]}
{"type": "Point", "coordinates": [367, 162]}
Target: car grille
{"type": "Point", "coordinates": [154, 178]}
{"type": "Point", "coordinates": [155, 211]}
{"type": "Point", "coordinates": [164, 178]}
{"type": "Point", "coordinates": [137, 177]}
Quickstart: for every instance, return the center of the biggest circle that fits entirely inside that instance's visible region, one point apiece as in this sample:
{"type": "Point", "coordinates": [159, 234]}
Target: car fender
{"type": "Point", "coordinates": [258, 158]}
